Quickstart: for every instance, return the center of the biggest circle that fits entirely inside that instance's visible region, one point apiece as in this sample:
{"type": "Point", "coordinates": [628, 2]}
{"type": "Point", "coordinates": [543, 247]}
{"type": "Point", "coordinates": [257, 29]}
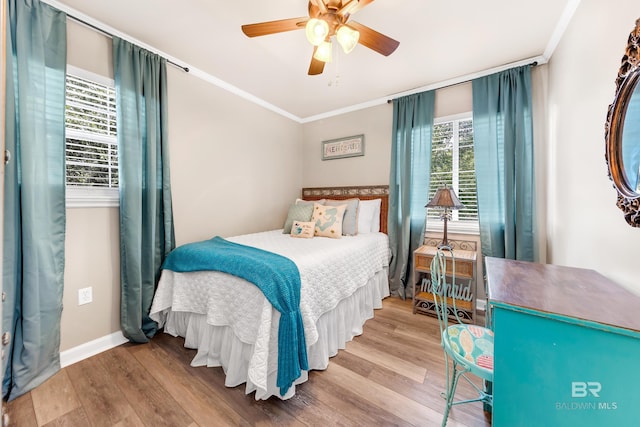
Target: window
{"type": "Point", "coordinates": [452, 163]}
{"type": "Point", "coordinates": [91, 143]}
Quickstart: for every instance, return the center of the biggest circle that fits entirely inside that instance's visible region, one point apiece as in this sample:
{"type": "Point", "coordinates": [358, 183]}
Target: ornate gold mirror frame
{"type": "Point", "coordinates": [626, 84]}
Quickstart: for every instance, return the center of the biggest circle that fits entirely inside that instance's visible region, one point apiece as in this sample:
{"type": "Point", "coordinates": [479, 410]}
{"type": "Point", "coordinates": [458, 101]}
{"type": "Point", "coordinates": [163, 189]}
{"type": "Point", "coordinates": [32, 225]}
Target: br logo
{"type": "Point", "coordinates": [583, 389]}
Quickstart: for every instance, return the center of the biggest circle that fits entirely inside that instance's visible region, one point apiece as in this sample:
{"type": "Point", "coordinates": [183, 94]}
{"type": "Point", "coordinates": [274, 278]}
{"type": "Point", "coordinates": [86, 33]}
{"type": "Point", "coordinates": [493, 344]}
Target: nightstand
{"type": "Point", "coordinates": [464, 288]}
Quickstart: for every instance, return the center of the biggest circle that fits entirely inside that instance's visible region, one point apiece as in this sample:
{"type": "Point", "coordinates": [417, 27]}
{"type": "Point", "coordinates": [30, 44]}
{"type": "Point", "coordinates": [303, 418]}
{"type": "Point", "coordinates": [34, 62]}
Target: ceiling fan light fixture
{"type": "Point", "coordinates": [347, 37]}
{"type": "Point", "coordinates": [317, 31]}
{"type": "Point", "coordinates": [326, 19]}
{"type": "Point", "coordinates": [323, 52]}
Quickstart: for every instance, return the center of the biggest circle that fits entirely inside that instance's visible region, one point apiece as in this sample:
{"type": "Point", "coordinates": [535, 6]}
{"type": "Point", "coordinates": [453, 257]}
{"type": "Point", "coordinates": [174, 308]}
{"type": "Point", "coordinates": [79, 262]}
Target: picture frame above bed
{"type": "Point", "coordinates": [340, 148]}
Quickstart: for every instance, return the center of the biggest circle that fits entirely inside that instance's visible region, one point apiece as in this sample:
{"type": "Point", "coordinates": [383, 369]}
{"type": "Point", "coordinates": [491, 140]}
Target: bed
{"type": "Point", "coordinates": [231, 323]}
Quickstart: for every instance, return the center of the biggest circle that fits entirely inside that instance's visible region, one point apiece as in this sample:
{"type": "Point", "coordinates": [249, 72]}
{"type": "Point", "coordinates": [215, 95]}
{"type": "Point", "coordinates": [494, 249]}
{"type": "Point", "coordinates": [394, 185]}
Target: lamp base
{"type": "Point", "coordinates": [445, 240]}
{"type": "Point", "coordinates": [445, 245]}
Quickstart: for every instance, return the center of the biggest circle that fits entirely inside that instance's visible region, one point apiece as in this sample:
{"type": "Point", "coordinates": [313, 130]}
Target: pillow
{"type": "Point", "coordinates": [328, 220]}
{"type": "Point", "coordinates": [350, 220]}
{"type": "Point", "coordinates": [375, 225]}
{"type": "Point", "coordinates": [297, 212]}
{"type": "Point", "coordinates": [369, 216]}
{"type": "Point", "coordinates": [302, 229]}
{"type": "Point", "coordinates": [365, 216]}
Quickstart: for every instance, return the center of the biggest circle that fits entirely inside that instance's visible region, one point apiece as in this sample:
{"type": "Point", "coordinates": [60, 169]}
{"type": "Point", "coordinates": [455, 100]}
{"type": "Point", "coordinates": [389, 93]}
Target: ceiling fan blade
{"type": "Point", "coordinates": [360, 5]}
{"type": "Point", "coordinates": [273, 27]}
{"type": "Point", "coordinates": [374, 40]}
{"type": "Point", "coordinates": [316, 67]}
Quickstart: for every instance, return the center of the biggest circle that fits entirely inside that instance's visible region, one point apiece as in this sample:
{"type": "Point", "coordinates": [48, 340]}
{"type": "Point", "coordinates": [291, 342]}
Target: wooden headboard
{"type": "Point", "coordinates": [367, 192]}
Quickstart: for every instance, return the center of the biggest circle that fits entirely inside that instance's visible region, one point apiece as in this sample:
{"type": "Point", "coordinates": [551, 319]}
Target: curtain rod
{"type": "Point", "coordinates": [390, 101]}
{"type": "Point", "coordinates": [106, 33]}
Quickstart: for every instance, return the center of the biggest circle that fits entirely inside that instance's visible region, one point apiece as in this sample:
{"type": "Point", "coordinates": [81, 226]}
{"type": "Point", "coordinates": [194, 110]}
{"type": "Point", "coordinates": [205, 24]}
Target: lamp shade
{"type": "Point", "coordinates": [323, 52]}
{"type": "Point", "coordinates": [445, 198]}
{"type": "Point", "coordinates": [348, 38]}
{"type": "Point", "coordinates": [316, 31]}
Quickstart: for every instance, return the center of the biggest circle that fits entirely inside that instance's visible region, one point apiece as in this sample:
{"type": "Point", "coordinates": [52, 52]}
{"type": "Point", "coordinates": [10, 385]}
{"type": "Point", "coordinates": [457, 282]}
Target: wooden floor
{"type": "Point", "coordinates": [390, 375]}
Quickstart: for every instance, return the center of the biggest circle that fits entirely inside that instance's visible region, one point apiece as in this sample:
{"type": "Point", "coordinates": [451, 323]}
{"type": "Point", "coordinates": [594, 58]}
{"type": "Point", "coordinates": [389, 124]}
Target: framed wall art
{"type": "Point", "coordinates": [350, 146]}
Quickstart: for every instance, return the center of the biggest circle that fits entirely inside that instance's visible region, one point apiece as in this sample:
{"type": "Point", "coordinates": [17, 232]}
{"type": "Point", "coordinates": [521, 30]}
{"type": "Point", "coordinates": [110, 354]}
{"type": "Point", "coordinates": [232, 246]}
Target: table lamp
{"type": "Point", "coordinates": [446, 200]}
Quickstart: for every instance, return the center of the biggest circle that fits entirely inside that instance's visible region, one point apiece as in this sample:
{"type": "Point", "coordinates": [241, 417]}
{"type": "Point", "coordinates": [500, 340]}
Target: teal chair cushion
{"type": "Point", "coordinates": [474, 347]}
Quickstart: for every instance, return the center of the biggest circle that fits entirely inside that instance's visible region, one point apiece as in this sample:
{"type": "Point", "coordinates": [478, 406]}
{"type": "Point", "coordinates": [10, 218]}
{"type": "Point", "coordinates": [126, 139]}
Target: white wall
{"type": "Point", "coordinates": [235, 167]}
{"type": "Point", "coordinates": [370, 169]}
{"type": "Point", "coordinates": [585, 228]}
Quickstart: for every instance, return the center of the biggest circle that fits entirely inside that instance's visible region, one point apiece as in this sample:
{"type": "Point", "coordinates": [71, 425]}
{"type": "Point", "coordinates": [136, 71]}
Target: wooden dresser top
{"type": "Point", "coordinates": [573, 292]}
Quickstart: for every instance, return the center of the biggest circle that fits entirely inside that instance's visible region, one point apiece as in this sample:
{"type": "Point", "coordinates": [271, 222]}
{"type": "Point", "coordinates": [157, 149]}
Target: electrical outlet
{"type": "Point", "coordinates": [85, 296]}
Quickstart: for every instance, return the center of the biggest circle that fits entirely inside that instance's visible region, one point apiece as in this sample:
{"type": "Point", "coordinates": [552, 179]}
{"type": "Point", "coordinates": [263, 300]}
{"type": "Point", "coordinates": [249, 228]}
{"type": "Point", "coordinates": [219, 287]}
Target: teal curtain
{"type": "Point", "coordinates": [503, 142]}
{"type": "Point", "coordinates": [408, 184]}
{"type": "Point", "coordinates": [34, 193]}
{"type": "Point", "coordinates": [146, 218]}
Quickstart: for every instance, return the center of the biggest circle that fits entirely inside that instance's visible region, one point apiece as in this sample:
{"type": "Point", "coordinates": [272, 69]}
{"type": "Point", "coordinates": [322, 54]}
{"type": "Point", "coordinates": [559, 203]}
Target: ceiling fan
{"type": "Point", "coordinates": [328, 18]}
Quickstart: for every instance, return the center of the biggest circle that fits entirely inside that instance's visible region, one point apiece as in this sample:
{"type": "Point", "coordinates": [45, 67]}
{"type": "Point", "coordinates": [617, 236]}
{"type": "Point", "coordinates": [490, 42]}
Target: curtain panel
{"type": "Point", "coordinates": [503, 142]}
{"type": "Point", "coordinates": [146, 217]}
{"type": "Point", "coordinates": [34, 193]}
{"type": "Point", "coordinates": [408, 184]}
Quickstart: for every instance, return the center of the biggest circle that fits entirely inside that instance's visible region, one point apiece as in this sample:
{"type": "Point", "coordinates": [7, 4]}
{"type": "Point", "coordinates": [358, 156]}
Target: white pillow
{"type": "Point", "coordinates": [375, 226]}
{"type": "Point", "coordinates": [369, 216]}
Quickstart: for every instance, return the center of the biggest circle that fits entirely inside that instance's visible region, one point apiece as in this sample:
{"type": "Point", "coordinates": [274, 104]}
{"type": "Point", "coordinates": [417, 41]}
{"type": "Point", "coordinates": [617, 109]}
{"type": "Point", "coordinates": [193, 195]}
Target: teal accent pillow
{"type": "Point", "coordinates": [297, 212]}
{"type": "Point", "coordinates": [350, 219]}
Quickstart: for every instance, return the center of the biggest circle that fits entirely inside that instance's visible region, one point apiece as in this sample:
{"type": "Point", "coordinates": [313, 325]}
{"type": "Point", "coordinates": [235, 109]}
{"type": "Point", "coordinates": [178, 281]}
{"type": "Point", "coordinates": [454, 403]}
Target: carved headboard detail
{"type": "Point", "coordinates": [368, 192]}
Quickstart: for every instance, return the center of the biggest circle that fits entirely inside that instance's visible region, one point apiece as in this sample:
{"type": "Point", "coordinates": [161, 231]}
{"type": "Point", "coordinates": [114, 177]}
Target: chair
{"type": "Point", "coordinates": [468, 349]}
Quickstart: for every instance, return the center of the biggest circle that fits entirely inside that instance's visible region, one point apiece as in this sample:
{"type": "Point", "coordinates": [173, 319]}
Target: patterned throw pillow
{"type": "Point", "coordinates": [303, 229]}
{"type": "Point", "coordinates": [350, 220]}
{"type": "Point", "coordinates": [328, 220]}
{"type": "Point", "coordinates": [297, 212]}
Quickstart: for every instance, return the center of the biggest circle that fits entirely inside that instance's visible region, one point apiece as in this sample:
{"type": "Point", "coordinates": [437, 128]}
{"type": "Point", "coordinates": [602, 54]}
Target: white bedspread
{"type": "Point", "coordinates": [330, 271]}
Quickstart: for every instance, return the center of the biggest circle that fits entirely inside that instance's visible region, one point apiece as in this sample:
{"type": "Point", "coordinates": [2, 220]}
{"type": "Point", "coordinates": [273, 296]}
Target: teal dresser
{"type": "Point", "coordinates": [566, 349]}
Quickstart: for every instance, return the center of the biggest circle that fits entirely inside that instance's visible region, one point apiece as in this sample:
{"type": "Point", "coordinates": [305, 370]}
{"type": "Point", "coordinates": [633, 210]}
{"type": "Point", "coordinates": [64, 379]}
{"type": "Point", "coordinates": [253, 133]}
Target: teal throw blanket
{"type": "Point", "coordinates": [276, 276]}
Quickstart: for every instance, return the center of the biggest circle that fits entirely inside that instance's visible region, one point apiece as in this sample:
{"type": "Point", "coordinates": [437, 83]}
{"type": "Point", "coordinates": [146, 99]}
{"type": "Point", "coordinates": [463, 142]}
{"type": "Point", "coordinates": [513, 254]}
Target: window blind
{"type": "Point", "coordinates": [91, 142]}
{"type": "Point", "coordinates": [452, 163]}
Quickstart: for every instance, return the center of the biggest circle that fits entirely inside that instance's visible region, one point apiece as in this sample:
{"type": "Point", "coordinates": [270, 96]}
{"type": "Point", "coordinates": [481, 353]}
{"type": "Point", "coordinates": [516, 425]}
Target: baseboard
{"type": "Point", "coordinates": [86, 350]}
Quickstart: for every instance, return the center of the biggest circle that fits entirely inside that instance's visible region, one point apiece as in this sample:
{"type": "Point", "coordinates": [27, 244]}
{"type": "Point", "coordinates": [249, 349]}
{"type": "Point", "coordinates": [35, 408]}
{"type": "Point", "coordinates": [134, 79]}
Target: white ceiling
{"type": "Point", "coordinates": [440, 41]}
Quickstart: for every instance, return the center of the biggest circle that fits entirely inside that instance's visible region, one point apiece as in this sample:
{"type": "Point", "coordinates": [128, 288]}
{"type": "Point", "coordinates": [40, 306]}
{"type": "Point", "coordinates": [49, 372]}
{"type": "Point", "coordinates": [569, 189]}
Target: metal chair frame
{"type": "Point", "coordinates": [458, 367]}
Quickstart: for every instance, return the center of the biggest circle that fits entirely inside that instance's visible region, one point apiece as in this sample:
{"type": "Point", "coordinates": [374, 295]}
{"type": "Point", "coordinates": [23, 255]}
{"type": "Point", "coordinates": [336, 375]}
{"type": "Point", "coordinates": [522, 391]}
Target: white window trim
{"type": "Point", "coordinates": [88, 75]}
{"type": "Point", "coordinates": [461, 227]}
{"type": "Point", "coordinates": [91, 197]}
{"type": "Point", "coordinates": [460, 116]}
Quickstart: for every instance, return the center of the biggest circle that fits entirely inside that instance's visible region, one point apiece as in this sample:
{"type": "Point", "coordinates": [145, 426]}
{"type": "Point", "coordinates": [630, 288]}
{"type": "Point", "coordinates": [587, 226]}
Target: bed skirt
{"type": "Point", "coordinates": [218, 345]}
